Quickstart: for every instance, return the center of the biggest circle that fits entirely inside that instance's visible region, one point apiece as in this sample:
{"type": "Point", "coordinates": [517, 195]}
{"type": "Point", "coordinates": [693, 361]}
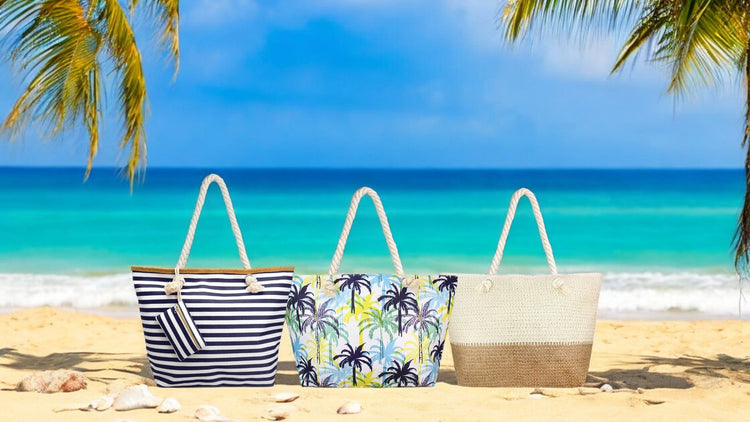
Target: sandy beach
{"type": "Point", "coordinates": [686, 370]}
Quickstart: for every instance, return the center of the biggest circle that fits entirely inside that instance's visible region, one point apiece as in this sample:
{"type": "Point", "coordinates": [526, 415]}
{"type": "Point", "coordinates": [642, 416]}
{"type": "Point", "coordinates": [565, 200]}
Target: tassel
{"type": "Point", "coordinates": [252, 284]}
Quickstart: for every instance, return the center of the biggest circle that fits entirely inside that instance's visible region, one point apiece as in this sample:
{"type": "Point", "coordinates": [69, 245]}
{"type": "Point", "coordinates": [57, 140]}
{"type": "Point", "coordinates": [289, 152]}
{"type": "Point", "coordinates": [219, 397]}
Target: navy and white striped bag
{"type": "Point", "coordinates": [212, 327]}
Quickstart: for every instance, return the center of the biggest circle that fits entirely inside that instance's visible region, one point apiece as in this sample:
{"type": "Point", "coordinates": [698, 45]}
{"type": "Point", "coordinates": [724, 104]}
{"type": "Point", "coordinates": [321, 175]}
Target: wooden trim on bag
{"type": "Point", "coordinates": [164, 270]}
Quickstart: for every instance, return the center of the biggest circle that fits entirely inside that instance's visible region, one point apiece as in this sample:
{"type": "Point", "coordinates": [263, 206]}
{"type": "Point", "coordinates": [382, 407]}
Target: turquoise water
{"type": "Point", "coordinates": [645, 229]}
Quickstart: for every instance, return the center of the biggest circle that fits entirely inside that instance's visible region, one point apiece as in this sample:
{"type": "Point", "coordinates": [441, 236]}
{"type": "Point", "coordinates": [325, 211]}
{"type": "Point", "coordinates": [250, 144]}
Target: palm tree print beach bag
{"type": "Point", "coordinates": [212, 327]}
{"type": "Point", "coordinates": [368, 330]}
{"type": "Point", "coordinates": [524, 330]}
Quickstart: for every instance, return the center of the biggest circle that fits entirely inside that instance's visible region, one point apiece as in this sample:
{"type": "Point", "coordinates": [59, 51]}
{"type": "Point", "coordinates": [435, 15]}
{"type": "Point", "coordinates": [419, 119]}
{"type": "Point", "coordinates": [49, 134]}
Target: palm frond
{"type": "Point", "coordinates": [59, 48]}
{"type": "Point", "coordinates": [167, 14]}
{"type": "Point", "coordinates": [122, 48]}
{"type": "Point", "coordinates": [566, 16]}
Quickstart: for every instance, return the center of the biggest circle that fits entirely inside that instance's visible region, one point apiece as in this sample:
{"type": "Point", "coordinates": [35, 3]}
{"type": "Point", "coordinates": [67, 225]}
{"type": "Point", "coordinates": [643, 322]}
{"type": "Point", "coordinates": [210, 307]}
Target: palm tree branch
{"type": "Point", "coordinates": [132, 90]}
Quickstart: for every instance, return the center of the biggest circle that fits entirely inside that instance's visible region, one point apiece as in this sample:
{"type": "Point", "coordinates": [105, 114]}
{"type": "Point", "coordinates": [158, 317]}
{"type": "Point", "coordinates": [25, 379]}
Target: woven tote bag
{"type": "Point", "coordinates": [212, 327]}
{"type": "Point", "coordinates": [524, 330]}
{"type": "Point", "coordinates": [368, 330]}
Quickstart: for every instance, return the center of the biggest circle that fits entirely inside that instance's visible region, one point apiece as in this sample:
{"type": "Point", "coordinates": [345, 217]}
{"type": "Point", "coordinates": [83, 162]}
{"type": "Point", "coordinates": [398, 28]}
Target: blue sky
{"type": "Point", "coordinates": [408, 84]}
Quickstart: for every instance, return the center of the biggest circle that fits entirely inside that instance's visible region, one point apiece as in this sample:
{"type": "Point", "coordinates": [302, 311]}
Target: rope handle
{"type": "Point", "coordinates": [506, 229]}
{"type": "Point", "coordinates": [175, 286]}
{"type": "Point", "coordinates": [336, 261]}
{"type": "Point", "coordinates": [212, 178]}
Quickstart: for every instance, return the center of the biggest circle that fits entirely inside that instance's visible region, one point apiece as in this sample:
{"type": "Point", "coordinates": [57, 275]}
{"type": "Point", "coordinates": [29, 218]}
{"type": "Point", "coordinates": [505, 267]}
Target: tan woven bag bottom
{"type": "Point", "coordinates": [522, 365]}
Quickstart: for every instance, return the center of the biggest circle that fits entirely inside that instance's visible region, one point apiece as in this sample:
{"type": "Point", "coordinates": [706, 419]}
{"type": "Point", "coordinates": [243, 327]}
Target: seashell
{"type": "Point", "coordinates": [278, 412]}
{"type": "Point", "coordinates": [169, 405]}
{"type": "Point", "coordinates": [283, 397]}
{"type": "Point", "coordinates": [100, 404]}
{"type": "Point", "coordinates": [136, 397]}
{"type": "Point", "coordinates": [208, 413]}
{"type": "Point", "coordinates": [349, 408]}
{"type": "Point", "coordinates": [606, 388]}
{"type": "Point", "coordinates": [61, 380]}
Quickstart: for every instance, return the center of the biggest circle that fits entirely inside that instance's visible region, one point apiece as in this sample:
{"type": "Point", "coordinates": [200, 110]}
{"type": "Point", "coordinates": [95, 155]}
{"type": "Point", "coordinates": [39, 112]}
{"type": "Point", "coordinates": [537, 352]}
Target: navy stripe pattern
{"type": "Point", "coordinates": [181, 331]}
{"type": "Point", "coordinates": [241, 331]}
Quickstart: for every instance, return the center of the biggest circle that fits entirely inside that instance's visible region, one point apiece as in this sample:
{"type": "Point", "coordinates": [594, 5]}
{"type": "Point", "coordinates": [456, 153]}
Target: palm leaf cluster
{"type": "Point", "coordinates": [700, 42]}
{"type": "Point", "coordinates": [65, 49]}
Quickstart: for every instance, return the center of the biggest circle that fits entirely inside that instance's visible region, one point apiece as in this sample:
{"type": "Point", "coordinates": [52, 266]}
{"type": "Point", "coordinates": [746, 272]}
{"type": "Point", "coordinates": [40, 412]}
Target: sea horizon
{"type": "Point", "coordinates": [661, 237]}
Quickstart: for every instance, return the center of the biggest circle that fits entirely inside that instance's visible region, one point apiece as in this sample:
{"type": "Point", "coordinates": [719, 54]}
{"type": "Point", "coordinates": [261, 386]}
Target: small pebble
{"type": "Point", "coordinates": [349, 408]}
{"type": "Point", "coordinates": [606, 388]}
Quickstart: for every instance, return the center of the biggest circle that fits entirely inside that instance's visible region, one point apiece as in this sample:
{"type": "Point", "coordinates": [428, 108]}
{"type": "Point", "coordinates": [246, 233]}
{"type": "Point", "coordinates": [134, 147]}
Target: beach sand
{"type": "Point", "coordinates": [688, 370]}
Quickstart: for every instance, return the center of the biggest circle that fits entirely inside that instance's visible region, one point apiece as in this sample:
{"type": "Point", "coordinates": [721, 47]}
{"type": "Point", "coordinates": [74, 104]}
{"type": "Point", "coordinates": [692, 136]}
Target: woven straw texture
{"type": "Point", "coordinates": [522, 365]}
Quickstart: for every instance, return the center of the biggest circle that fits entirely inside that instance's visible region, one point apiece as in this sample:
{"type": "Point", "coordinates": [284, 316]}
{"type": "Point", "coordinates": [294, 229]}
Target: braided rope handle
{"type": "Point", "coordinates": [212, 178]}
{"type": "Point", "coordinates": [336, 261]}
{"type": "Point", "coordinates": [506, 229]}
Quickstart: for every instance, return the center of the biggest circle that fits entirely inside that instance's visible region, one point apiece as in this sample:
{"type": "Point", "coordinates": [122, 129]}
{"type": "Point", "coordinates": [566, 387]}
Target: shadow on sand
{"type": "Point", "coordinates": [77, 361]}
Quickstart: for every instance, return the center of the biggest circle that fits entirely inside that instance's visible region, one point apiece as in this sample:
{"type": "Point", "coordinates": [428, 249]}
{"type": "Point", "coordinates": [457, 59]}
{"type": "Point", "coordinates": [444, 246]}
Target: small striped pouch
{"type": "Point", "coordinates": [180, 330]}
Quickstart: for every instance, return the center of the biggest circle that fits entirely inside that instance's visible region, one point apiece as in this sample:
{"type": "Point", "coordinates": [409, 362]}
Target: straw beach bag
{"type": "Point", "coordinates": [368, 330]}
{"type": "Point", "coordinates": [524, 330]}
{"type": "Point", "coordinates": [212, 327]}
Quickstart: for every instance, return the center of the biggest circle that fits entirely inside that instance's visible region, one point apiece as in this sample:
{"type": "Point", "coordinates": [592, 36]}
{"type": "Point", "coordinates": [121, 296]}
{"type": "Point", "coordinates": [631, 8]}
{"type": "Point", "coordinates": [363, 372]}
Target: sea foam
{"type": "Point", "coordinates": [624, 294]}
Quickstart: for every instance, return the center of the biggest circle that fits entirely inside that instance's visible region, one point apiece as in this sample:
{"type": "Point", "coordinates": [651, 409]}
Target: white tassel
{"type": "Point", "coordinates": [253, 286]}
{"type": "Point", "coordinates": [175, 285]}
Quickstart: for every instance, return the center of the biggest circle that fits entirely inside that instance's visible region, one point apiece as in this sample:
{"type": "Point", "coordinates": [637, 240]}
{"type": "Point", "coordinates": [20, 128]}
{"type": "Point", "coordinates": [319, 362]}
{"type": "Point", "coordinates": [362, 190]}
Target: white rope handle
{"type": "Point", "coordinates": [334, 268]}
{"type": "Point", "coordinates": [212, 178]}
{"type": "Point", "coordinates": [506, 229]}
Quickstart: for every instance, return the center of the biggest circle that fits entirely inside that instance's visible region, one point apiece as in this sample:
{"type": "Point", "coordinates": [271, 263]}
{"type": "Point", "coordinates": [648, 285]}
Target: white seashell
{"type": "Point", "coordinates": [208, 413]}
{"type": "Point", "coordinates": [283, 397]}
{"type": "Point", "coordinates": [100, 404]}
{"type": "Point", "coordinates": [349, 408]}
{"type": "Point", "coordinates": [278, 412]}
{"type": "Point", "coordinates": [169, 405]}
{"type": "Point", "coordinates": [136, 397]}
{"type": "Point", "coordinates": [606, 388]}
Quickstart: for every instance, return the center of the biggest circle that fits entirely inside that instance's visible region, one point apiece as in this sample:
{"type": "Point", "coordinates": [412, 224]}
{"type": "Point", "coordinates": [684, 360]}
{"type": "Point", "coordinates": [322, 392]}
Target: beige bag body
{"type": "Point", "coordinates": [523, 330]}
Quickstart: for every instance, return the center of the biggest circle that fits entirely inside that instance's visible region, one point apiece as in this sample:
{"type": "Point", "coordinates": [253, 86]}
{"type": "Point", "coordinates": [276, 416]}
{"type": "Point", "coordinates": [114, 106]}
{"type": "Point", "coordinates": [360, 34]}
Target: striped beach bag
{"type": "Point", "coordinates": [212, 327]}
{"type": "Point", "coordinates": [524, 330]}
{"type": "Point", "coordinates": [368, 330]}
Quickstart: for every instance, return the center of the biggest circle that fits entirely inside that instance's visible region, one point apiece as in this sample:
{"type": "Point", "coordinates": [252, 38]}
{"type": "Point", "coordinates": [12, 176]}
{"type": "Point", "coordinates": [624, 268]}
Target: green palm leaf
{"type": "Point", "coordinates": [701, 42]}
{"type": "Point", "coordinates": [60, 47]}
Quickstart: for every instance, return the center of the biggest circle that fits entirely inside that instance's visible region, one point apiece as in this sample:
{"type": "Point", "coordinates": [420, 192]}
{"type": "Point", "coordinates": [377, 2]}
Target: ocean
{"type": "Point", "coordinates": [662, 238]}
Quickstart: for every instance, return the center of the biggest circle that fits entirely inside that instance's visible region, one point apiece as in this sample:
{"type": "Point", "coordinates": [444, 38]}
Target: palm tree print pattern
{"type": "Point", "coordinates": [371, 330]}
